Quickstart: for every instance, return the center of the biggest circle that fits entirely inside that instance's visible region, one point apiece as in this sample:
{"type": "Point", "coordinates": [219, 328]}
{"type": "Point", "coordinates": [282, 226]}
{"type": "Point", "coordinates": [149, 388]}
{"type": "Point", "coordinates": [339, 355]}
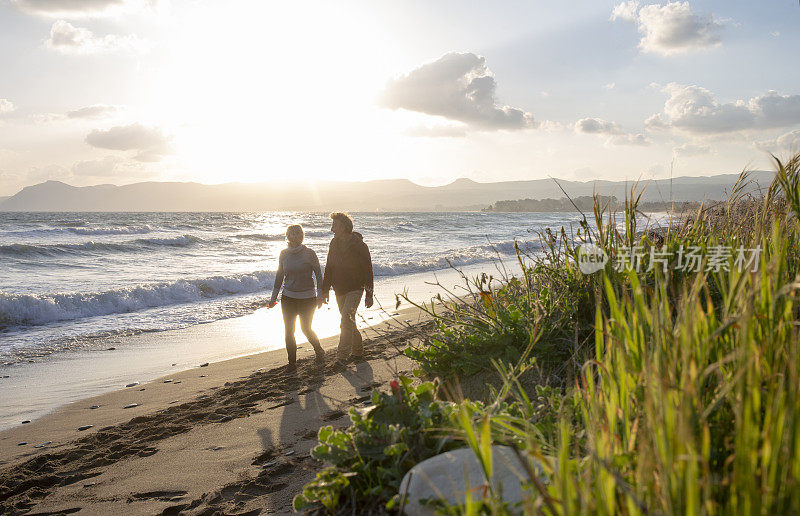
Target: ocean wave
{"type": "Point", "coordinates": [180, 241]}
{"type": "Point", "coordinates": [456, 258]}
{"type": "Point", "coordinates": [261, 236]}
{"type": "Point", "coordinates": [125, 230]}
{"type": "Point", "coordinates": [71, 230]}
{"type": "Point", "coordinates": [23, 250]}
{"type": "Point", "coordinates": [32, 310]}
{"type": "Point", "coordinates": [279, 237]}
{"type": "Point", "coordinates": [407, 227]}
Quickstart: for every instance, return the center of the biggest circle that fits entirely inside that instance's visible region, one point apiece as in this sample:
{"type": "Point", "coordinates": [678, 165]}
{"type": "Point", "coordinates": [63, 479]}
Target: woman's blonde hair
{"type": "Point", "coordinates": [294, 234]}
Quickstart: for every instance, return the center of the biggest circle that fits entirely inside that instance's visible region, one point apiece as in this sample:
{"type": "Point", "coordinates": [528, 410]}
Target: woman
{"type": "Point", "coordinates": [295, 266]}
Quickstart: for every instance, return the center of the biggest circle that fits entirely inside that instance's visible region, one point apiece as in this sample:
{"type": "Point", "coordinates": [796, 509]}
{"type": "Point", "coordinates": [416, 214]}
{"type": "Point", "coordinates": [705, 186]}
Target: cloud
{"type": "Point", "coordinates": [694, 109]}
{"type": "Point", "coordinates": [626, 11]}
{"type": "Point", "coordinates": [68, 39]}
{"type": "Point", "coordinates": [613, 129]}
{"type": "Point", "coordinates": [597, 126]}
{"type": "Point", "coordinates": [457, 86]}
{"type": "Point", "coordinates": [95, 111]}
{"type": "Point", "coordinates": [788, 142]}
{"type": "Point", "coordinates": [72, 8]}
{"type": "Point", "coordinates": [656, 123]}
{"type": "Point", "coordinates": [6, 107]}
{"type": "Point", "coordinates": [670, 29]}
{"type": "Point", "coordinates": [150, 143]}
{"type": "Point", "coordinates": [692, 149]}
{"type": "Point", "coordinates": [776, 110]}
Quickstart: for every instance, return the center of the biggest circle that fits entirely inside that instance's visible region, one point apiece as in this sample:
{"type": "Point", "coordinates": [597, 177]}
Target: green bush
{"type": "Point", "coordinates": [370, 458]}
{"type": "Point", "coordinates": [551, 305]}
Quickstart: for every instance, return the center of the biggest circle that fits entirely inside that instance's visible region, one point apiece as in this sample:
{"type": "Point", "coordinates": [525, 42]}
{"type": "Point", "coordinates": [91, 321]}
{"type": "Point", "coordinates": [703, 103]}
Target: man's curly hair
{"type": "Point", "coordinates": [344, 218]}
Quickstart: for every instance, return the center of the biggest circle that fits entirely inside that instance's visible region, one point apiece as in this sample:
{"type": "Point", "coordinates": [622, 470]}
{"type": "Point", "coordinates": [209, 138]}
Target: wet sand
{"type": "Point", "coordinates": [231, 436]}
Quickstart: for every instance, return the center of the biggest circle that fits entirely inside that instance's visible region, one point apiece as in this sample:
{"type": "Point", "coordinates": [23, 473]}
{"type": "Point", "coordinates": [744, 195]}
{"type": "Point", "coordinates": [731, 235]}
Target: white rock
{"type": "Point", "coordinates": [446, 476]}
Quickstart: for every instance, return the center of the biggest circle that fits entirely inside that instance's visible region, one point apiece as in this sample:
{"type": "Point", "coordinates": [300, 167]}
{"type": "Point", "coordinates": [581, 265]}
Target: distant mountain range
{"type": "Point", "coordinates": [383, 195]}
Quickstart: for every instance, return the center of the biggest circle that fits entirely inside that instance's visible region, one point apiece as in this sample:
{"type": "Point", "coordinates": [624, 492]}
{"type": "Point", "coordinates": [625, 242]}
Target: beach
{"type": "Point", "coordinates": [142, 371]}
{"type": "Point", "coordinates": [232, 436]}
{"type": "Point", "coordinates": [90, 302]}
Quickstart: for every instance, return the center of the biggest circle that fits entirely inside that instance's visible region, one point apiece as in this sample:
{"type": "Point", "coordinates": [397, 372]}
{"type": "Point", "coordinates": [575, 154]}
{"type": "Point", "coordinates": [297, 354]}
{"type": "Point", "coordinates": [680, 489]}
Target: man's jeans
{"type": "Point", "coordinates": [350, 338]}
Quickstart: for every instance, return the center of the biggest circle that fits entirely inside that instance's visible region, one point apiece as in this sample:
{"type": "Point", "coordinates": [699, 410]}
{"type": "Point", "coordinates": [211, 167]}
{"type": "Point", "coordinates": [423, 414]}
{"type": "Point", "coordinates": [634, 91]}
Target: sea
{"type": "Point", "coordinates": [69, 281]}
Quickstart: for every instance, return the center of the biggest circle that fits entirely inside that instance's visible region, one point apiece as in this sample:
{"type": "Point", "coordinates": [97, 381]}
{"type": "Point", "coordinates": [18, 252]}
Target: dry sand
{"type": "Point", "coordinates": [231, 437]}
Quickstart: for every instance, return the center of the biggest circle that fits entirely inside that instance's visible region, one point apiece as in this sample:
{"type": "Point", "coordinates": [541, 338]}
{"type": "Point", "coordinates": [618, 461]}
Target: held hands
{"type": "Point", "coordinates": [321, 301]}
{"type": "Point", "coordinates": [272, 303]}
{"type": "Point", "coordinates": [368, 301]}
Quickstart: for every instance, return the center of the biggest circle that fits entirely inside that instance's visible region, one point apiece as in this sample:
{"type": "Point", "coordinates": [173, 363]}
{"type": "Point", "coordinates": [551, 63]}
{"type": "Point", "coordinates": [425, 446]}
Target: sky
{"type": "Point", "coordinates": [121, 91]}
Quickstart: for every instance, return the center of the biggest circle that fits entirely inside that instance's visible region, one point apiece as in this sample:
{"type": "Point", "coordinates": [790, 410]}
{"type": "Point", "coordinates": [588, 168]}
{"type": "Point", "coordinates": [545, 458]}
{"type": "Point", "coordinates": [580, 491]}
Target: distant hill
{"type": "Point", "coordinates": [585, 203]}
{"type": "Point", "coordinates": [3, 198]}
{"type": "Point", "coordinates": [384, 195]}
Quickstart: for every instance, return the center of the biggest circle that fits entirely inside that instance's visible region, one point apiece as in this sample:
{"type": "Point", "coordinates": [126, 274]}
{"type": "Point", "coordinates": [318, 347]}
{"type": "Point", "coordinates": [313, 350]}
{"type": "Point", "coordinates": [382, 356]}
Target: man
{"type": "Point", "coordinates": [349, 271]}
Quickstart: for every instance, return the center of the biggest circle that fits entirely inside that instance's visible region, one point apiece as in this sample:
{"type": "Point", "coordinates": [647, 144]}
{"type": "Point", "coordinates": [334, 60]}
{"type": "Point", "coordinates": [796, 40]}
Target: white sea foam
{"type": "Point", "coordinates": [21, 309]}
{"type": "Point", "coordinates": [46, 232]}
{"type": "Point", "coordinates": [22, 250]}
{"type": "Point", "coordinates": [455, 258]}
{"type": "Point", "coordinates": [125, 230]}
{"type": "Point", "coordinates": [178, 241]}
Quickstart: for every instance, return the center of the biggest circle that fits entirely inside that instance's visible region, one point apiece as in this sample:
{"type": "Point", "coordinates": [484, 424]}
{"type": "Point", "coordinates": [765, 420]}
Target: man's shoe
{"type": "Point", "coordinates": [291, 368]}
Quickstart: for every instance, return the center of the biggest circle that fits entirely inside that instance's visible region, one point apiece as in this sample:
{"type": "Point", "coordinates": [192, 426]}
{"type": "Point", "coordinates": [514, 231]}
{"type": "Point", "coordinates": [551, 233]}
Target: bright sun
{"type": "Point", "coordinates": [272, 94]}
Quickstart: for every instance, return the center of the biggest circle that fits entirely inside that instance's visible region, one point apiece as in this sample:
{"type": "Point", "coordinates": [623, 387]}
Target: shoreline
{"type": "Point", "coordinates": [248, 404]}
{"type": "Point", "coordinates": [34, 390]}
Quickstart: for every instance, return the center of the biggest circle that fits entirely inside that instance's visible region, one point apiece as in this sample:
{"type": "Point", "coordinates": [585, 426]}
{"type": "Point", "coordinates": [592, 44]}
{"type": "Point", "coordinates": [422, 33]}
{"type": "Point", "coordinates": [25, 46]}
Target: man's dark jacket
{"type": "Point", "coordinates": [349, 265]}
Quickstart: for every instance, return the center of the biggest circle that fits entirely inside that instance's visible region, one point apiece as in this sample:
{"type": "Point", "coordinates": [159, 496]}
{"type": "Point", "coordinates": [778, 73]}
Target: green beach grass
{"type": "Point", "coordinates": [666, 390]}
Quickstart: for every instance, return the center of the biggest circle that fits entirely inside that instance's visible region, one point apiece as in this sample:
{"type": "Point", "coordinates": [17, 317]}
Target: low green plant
{"type": "Point", "coordinates": [369, 459]}
{"type": "Point", "coordinates": [549, 304]}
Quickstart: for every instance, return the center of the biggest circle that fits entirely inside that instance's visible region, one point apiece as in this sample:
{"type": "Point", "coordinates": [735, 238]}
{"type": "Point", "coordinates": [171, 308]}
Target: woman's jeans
{"type": "Point", "coordinates": [350, 338]}
{"type": "Point", "coordinates": [291, 308]}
